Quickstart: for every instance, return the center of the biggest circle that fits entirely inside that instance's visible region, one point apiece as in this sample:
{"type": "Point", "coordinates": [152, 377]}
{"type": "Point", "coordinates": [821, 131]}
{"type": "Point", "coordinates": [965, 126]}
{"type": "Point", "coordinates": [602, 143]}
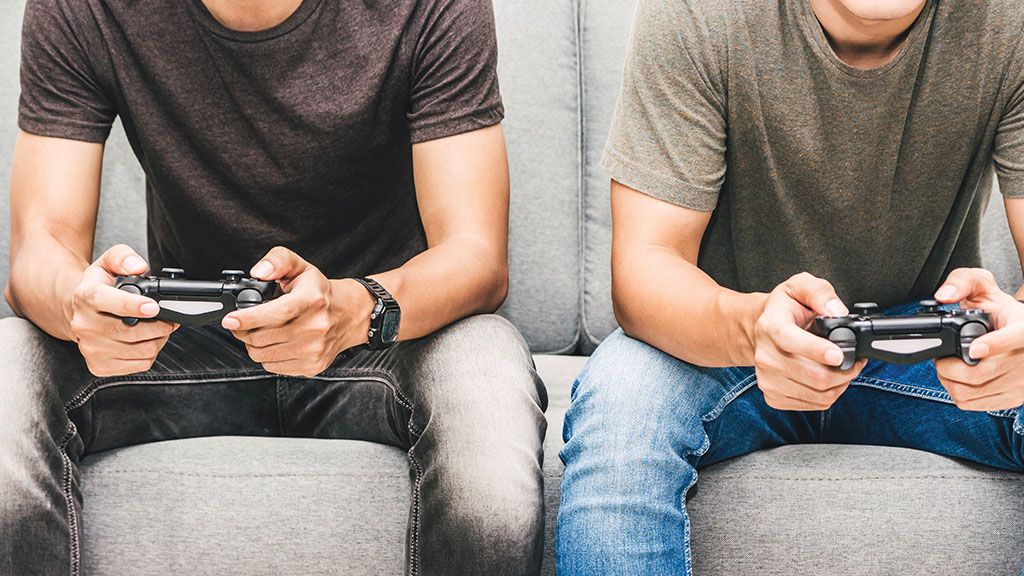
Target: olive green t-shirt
{"type": "Point", "coordinates": [874, 179]}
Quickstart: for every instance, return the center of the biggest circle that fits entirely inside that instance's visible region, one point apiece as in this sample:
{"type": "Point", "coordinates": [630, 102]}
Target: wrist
{"type": "Point", "coordinates": [354, 305]}
{"type": "Point", "coordinates": [744, 310]}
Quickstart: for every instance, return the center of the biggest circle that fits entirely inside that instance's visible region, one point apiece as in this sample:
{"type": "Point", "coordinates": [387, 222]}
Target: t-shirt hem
{"type": "Point", "coordinates": [657, 185]}
{"type": "Point", "coordinates": [65, 129]}
{"type": "Point", "coordinates": [446, 127]}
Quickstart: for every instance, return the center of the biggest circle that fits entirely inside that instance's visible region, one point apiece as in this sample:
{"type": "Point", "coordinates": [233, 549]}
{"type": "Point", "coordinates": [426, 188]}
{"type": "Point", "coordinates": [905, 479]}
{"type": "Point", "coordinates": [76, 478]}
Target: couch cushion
{"type": "Point", "coordinates": [604, 37]}
{"type": "Point", "coordinates": [856, 510]}
{"type": "Point", "coordinates": [537, 68]}
{"type": "Point", "coordinates": [274, 506]}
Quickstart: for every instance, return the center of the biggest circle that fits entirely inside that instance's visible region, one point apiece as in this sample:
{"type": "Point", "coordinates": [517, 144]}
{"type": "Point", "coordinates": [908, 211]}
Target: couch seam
{"type": "Point", "coordinates": [375, 474]}
{"type": "Point", "coordinates": [970, 477]}
{"type": "Point", "coordinates": [581, 173]}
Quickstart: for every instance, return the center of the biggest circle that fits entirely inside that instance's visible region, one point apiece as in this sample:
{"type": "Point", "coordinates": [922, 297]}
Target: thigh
{"type": "Point", "coordinates": [474, 377]}
{"type": "Point", "coordinates": [202, 384]}
{"type": "Point", "coordinates": [906, 406]}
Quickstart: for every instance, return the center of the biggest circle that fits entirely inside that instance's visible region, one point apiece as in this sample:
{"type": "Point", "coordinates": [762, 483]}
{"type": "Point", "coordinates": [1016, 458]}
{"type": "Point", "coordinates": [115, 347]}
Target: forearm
{"type": "Point", "coordinates": [43, 276]}
{"type": "Point", "coordinates": [458, 277]}
{"type": "Point", "coordinates": [664, 300]}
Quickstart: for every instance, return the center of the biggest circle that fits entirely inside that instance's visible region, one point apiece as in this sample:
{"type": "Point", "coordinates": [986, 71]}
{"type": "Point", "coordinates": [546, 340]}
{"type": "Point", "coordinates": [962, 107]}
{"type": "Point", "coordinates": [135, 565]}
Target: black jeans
{"type": "Point", "coordinates": [440, 397]}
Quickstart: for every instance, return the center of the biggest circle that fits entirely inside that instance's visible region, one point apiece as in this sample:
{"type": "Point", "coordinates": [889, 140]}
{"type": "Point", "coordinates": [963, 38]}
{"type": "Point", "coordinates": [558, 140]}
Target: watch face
{"type": "Point", "coordinates": [389, 328]}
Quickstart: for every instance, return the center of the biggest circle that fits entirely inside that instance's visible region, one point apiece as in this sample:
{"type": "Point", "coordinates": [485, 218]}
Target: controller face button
{"type": "Point", "coordinates": [248, 298]}
{"type": "Point", "coordinates": [173, 273]}
{"type": "Point", "coordinates": [232, 275]}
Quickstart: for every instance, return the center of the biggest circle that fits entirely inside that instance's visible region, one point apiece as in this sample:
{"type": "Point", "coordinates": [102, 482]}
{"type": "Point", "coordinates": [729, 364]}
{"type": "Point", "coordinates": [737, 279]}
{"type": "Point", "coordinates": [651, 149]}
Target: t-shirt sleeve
{"type": "Point", "coordinates": [60, 95]}
{"type": "Point", "coordinates": [667, 138]}
{"type": "Point", "coordinates": [455, 79]}
{"type": "Point", "coordinates": [1008, 153]}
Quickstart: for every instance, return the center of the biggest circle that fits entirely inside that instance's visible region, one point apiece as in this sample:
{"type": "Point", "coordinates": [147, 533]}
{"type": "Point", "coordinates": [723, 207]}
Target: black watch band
{"type": "Point", "coordinates": [384, 318]}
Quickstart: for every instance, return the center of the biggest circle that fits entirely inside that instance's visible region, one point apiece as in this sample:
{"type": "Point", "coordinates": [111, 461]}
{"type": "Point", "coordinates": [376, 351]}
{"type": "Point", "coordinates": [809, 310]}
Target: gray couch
{"type": "Point", "coordinates": [233, 505]}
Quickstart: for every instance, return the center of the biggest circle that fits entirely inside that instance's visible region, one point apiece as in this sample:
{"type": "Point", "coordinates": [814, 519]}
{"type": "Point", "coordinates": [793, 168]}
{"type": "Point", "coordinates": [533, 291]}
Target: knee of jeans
{"type": "Point", "coordinates": [29, 364]}
{"type": "Point", "coordinates": [633, 400]}
{"type": "Point", "coordinates": [477, 377]}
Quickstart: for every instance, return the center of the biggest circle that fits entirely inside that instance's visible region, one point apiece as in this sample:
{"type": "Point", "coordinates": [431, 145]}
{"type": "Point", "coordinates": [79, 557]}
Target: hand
{"type": "Point", "coordinates": [997, 382]}
{"type": "Point", "coordinates": [301, 332]}
{"type": "Point", "coordinates": [109, 346]}
{"type": "Point", "coordinates": [796, 370]}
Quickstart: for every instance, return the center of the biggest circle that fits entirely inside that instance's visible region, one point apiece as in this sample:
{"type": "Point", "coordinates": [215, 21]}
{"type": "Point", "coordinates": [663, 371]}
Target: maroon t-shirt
{"type": "Point", "coordinates": [300, 135]}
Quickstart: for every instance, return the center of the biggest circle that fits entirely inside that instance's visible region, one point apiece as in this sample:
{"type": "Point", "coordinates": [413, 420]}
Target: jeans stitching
{"type": "Point", "coordinates": [72, 515]}
{"type": "Point", "coordinates": [280, 385]}
{"type": "Point", "coordinates": [385, 379]}
{"type": "Point", "coordinates": [733, 393]}
{"type": "Point", "coordinates": [102, 384]}
{"type": "Point", "coordinates": [414, 529]}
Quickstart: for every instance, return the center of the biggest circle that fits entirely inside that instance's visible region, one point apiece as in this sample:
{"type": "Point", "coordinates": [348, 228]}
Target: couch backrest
{"type": "Point", "coordinates": [560, 63]}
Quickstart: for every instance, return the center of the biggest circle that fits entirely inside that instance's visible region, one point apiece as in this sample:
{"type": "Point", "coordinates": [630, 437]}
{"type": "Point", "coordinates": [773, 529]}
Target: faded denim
{"type": "Point", "coordinates": [641, 423]}
{"type": "Point", "coordinates": [465, 402]}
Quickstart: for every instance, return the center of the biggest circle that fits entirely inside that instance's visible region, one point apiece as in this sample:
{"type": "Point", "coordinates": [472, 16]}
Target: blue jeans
{"type": "Point", "coordinates": [641, 422]}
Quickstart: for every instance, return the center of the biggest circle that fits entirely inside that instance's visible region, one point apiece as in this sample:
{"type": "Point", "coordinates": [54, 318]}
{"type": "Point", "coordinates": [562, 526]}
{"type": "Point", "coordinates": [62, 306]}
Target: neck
{"type": "Point", "coordinates": [251, 15]}
{"type": "Point", "coordinates": [863, 42]}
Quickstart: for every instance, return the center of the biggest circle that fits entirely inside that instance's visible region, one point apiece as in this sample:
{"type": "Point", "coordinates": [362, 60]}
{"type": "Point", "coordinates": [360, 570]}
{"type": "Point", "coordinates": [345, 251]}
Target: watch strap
{"type": "Point", "coordinates": [385, 302]}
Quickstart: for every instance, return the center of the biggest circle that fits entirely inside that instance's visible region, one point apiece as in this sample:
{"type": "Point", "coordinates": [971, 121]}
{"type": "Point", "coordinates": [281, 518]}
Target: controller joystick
{"type": "Point", "coordinates": [930, 333]}
{"type": "Point", "coordinates": [198, 302]}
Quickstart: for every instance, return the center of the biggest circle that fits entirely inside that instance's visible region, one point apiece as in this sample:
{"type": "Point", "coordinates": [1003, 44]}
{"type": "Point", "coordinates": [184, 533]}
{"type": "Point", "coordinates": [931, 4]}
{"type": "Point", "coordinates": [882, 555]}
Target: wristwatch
{"type": "Point", "coordinates": [384, 318]}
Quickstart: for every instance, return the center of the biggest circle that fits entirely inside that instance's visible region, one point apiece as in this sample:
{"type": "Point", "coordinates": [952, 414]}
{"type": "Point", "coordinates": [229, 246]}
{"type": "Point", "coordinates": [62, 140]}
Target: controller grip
{"type": "Point", "coordinates": [132, 289]}
{"type": "Point", "coordinates": [968, 333]}
{"type": "Point", "coordinates": [847, 342]}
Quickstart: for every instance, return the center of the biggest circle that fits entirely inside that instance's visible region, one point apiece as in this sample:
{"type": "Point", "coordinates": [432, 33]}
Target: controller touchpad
{"type": "Point", "coordinates": [909, 346]}
{"type": "Point", "coordinates": [190, 308]}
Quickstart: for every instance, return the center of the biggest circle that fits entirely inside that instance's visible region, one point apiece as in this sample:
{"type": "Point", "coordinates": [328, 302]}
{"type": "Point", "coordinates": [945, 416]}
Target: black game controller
{"type": "Point", "coordinates": [931, 333]}
{"type": "Point", "coordinates": [198, 302]}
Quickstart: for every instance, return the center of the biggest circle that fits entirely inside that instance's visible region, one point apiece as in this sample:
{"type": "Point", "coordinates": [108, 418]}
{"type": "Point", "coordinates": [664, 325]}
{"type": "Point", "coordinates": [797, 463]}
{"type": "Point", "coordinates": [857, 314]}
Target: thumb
{"type": "Point", "coordinates": [122, 260]}
{"type": "Point", "coordinates": [279, 263]}
{"type": "Point", "coordinates": [816, 294]}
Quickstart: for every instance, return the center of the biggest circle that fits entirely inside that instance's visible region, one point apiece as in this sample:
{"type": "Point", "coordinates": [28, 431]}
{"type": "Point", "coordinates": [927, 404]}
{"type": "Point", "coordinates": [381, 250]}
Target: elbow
{"type": "Point", "coordinates": [621, 311]}
{"type": "Point", "coordinates": [497, 289]}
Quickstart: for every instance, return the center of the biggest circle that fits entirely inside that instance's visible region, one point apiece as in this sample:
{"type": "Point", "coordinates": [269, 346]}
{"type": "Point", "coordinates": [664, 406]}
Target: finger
{"type": "Point", "coordinates": [275, 313]}
{"type": "Point", "coordinates": [280, 262]}
{"type": "Point", "coordinates": [998, 395]}
{"type": "Point", "coordinates": [120, 332]}
{"type": "Point", "coordinates": [816, 294]}
{"type": "Point", "coordinates": [980, 374]}
{"type": "Point", "coordinates": [261, 337]}
{"type": "Point", "coordinates": [794, 340]}
{"type": "Point", "coordinates": [121, 259]}
{"type": "Point", "coordinates": [118, 367]}
{"type": "Point", "coordinates": [964, 283]}
{"type": "Point", "coordinates": [293, 368]}
{"type": "Point", "coordinates": [1003, 341]}
{"type": "Point", "coordinates": [276, 353]}
{"type": "Point", "coordinates": [103, 298]}
{"type": "Point", "coordinates": [792, 392]}
{"type": "Point", "coordinates": [145, 350]}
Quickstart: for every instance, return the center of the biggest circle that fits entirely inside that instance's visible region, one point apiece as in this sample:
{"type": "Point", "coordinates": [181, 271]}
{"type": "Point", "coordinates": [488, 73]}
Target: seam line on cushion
{"type": "Point", "coordinates": [338, 474]}
{"type": "Point", "coordinates": [581, 172]}
{"type": "Point", "coordinates": [970, 477]}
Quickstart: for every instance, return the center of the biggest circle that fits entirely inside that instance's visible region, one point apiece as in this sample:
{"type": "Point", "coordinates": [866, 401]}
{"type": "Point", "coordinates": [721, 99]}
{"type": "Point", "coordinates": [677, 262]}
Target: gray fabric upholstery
{"type": "Point", "coordinates": [286, 506]}
{"type": "Point", "coordinates": [856, 510]}
{"type": "Point", "coordinates": [604, 36]}
{"type": "Point", "coordinates": [537, 68]}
